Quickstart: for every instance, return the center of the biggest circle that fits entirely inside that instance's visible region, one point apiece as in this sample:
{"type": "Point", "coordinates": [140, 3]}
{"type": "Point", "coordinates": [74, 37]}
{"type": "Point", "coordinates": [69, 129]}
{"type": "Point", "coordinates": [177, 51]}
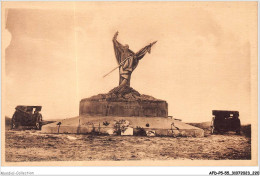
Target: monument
{"type": "Point", "coordinates": [124, 100]}
{"type": "Point", "coordinates": [123, 110]}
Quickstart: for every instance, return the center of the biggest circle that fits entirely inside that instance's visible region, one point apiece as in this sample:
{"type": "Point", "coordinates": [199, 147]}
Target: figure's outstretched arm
{"type": "Point", "coordinates": [115, 36]}
{"type": "Point", "coordinates": [116, 43]}
{"type": "Point", "coordinates": [140, 54]}
{"type": "Point", "coordinates": [117, 47]}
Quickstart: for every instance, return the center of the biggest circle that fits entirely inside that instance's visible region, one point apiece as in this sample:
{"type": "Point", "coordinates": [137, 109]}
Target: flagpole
{"type": "Point", "coordinates": [117, 66]}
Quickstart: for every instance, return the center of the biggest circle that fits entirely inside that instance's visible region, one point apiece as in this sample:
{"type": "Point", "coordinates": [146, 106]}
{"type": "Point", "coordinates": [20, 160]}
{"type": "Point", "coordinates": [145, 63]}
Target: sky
{"type": "Point", "coordinates": [57, 53]}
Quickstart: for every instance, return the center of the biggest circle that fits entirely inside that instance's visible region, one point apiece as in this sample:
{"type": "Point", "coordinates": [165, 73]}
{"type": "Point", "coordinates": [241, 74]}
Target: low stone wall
{"type": "Point", "coordinates": [141, 126]}
{"type": "Point", "coordinates": [136, 131]}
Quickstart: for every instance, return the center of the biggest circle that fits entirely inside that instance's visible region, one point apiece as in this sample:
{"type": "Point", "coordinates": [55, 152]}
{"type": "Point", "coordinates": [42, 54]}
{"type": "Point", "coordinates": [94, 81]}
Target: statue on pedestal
{"type": "Point", "coordinates": [127, 61]}
{"type": "Point", "coordinates": [123, 100]}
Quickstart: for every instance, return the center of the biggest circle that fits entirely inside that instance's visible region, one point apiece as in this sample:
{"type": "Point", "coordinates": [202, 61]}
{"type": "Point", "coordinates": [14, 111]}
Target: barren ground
{"type": "Point", "coordinates": [34, 146]}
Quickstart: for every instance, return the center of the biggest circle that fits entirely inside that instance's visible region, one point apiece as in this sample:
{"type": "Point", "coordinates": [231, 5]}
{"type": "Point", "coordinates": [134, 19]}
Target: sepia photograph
{"type": "Point", "coordinates": [129, 83]}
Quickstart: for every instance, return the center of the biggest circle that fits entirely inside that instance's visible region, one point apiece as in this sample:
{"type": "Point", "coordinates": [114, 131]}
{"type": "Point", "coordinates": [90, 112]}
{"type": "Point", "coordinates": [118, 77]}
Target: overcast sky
{"type": "Point", "coordinates": [56, 55]}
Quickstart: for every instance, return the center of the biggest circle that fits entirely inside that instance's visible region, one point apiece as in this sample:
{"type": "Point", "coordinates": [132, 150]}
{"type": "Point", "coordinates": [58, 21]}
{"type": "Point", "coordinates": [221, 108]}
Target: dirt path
{"type": "Point", "coordinates": [34, 146]}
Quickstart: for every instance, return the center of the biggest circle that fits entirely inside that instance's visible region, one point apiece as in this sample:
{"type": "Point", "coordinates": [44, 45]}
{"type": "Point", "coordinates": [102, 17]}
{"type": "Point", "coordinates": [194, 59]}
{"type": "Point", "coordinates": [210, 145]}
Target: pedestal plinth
{"type": "Point", "coordinates": [127, 103]}
{"type": "Point", "coordinates": [123, 108]}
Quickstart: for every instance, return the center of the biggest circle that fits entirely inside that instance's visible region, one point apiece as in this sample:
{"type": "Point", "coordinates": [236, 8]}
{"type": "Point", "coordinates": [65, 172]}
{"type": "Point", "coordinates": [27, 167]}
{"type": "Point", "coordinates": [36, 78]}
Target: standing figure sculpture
{"type": "Point", "coordinates": [127, 60]}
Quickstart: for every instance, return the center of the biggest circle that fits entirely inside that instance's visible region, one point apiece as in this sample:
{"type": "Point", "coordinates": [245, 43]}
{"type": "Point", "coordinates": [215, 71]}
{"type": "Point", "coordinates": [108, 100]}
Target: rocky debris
{"type": "Point", "coordinates": [71, 138]}
{"type": "Point", "coordinates": [125, 94]}
{"type": "Point", "coordinates": [150, 133]}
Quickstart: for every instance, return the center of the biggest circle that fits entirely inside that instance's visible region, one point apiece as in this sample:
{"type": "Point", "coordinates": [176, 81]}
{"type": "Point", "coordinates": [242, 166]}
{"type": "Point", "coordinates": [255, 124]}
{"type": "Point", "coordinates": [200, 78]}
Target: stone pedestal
{"type": "Point", "coordinates": [126, 103]}
{"type": "Point", "coordinates": [124, 108]}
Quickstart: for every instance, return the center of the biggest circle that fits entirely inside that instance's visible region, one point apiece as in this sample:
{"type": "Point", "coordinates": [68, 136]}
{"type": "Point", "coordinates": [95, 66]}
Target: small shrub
{"type": "Point", "coordinates": [140, 131]}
